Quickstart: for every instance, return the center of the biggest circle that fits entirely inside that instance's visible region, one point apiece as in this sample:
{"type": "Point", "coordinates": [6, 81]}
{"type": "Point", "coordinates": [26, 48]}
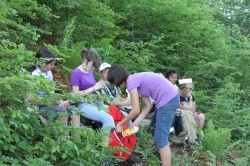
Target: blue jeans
{"type": "Point", "coordinates": [51, 112]}
{"type": "Point", "coordinates": [91, 111]}
{"type": "Point", "coordinates": [164, 118]}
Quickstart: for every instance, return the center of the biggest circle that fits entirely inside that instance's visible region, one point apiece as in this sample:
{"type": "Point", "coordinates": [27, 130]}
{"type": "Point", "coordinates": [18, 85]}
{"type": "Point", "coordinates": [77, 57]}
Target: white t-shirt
{"type": "Point", "coordinates": [48, 75]}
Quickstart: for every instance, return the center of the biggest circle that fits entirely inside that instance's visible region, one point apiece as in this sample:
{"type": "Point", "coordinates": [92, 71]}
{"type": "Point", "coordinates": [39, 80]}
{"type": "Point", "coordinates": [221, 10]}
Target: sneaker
{"type": "Point", "coordinates": [107, 163]}
{"type": "Point", "coordinates": [175, 140]}
{"type": "Point", "coordinates": [133, 158]}
{"type": "Point", "coordinates": [197, 140]}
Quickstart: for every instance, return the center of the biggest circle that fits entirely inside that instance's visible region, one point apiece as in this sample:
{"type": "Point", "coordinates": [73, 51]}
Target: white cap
{"type": "Point", "coordinates": [104, 66]}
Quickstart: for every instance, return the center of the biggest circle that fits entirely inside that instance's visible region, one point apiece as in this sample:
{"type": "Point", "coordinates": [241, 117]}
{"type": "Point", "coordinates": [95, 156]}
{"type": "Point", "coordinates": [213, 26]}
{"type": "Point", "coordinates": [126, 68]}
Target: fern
{"type": "Point", "coordinates": [211, 159]}
{"type": "Point", "coordinates": [68, 34]}
{"type": "Point", "coordinates": [216, 140]}
{"type": "Point", "coordinates": [240, 161]}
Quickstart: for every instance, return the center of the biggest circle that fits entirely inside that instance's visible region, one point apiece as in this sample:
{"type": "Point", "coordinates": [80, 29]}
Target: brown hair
{"type": "Point", "coordinates": [117, 75]}
{"type": "Point", "coordinates": [91, 55]}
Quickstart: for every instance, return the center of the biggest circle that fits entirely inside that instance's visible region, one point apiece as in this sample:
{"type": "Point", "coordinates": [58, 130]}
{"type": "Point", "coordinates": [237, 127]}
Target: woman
{"type": "Point", "coordinates": [165, 95]}
{"type": "Point", "coordinates": [83, 82]}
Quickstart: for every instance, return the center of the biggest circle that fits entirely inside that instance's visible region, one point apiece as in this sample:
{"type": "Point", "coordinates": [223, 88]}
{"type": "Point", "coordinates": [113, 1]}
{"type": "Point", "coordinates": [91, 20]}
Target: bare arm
{"type": "Point", "coordinates": [186, 106]}
{"type": "Point", "coordinates": [96, 87]}
{"type": "Point", "coordinates": [194, 107]}
{"type": "Point", "coordinates": [147, 107]}
{"type": "Point", "coordinates": [135, 110]}
{"type": "Point", "coordinates": [121, 102]}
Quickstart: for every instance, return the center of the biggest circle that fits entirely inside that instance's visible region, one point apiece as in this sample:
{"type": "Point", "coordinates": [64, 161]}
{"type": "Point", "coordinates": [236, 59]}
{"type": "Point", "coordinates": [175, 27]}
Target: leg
{"type": "Point", "coordinates": [200, 120]}
{"type": "Point", "coordinates": [164, 119]}
{"type": "Point", "coordinates": [90, 111]}
{"type": "Point", "coordinates": [165, 153]}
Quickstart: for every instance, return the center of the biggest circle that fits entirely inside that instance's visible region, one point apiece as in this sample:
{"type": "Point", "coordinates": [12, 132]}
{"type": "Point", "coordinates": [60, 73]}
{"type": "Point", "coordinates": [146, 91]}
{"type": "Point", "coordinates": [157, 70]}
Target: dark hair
{"type": "Point", "coordinates": [45, 55]}
{"type": "Point", "coordinates": [169, 73]}
{"type": "Point", "coordinates": [91, 55]}
{"type": "Point", "coordinates": [117, 75]}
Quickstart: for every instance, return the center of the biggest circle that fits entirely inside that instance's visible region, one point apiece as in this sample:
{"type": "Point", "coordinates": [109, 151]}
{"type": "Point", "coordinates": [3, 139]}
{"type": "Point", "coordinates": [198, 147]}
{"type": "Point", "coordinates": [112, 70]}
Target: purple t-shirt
{"type": "Point", "coordinates": [82, 80]}
{"type": "Point", "coordinates": [152, 85]}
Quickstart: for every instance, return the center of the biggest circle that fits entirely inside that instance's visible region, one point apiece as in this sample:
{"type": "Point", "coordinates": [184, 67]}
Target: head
{"type": "Point", "coordinates": [117, 75]}
{"type": "Point", "coordinates": [189, 87]}
{"type": "Point", "coordinates": [103, 69]}
{"type": "Point", "coordinates": [47, 59]}
{"type": "Point", "coordinates": [91, 60]}
{"type": "Point", "coordinates": [171, 75]}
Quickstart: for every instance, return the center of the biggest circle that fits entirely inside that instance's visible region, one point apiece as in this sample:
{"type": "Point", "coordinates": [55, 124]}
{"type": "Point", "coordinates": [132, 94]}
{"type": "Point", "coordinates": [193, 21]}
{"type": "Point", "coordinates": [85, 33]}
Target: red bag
{"type": "Point", "coordinates": [117, 140]}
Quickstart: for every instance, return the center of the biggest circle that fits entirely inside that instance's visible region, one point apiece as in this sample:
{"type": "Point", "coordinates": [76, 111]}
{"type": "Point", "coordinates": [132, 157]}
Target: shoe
{"type": "Point", "coordinates": [175, 140]}
{"type": "Point", "coordinates": [197, 140]}
{"type": "Point", "coordinates": [133, 158]}
{"type": "Point", "coordinates": [107, 163]}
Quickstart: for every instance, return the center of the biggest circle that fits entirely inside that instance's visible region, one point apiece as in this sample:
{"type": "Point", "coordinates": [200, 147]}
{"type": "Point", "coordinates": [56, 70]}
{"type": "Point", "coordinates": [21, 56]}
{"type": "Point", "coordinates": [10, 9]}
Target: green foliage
{"type": "Point", "coordinates": [228, 105]}
{"type": "Point", "coordinates": [14, 25]}
{"type": "Point", "coordinates": [143, 36]}
{"type": "Point", "coordinates": [74, 59]}
{"type": "Point", "coordinates": [146, 148]}
{"type": "Point", "coordinates": [94, 19]}
{"type": "Point", "coordinates": [216, 140]}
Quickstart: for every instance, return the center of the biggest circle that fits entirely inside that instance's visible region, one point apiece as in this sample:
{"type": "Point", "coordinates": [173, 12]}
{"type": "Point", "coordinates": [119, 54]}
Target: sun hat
{"type": "Point", "coordinates": [104, 66]}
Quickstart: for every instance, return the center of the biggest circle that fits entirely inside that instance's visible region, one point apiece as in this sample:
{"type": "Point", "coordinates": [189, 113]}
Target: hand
{"type": "Point", "coordinates": [119, 128]}
{"type": "Point", "coordinates": [134, 124]}
{"type": "Point", "coordinates": [64, 103]}
{"type": "Point", "coordinates": [127, 102]}
{"type": "Point", "coordinates": [99, 85]}
{"type": "Point", "coordinates": [189, 96]}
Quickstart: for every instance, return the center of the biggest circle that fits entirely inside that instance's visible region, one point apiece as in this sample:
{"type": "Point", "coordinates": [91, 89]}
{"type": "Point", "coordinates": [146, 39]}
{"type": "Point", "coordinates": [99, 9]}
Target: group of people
{"type": "Point", "coordinates": [142, 86]}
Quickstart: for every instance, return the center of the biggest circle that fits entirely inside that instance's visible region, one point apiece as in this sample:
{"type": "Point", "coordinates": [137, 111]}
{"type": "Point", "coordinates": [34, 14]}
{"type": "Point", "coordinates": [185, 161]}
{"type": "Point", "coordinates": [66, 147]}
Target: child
{"type": "Point", "coordinates": [83, 82]}
{"type": "Point", "coordinates": [48, 59]}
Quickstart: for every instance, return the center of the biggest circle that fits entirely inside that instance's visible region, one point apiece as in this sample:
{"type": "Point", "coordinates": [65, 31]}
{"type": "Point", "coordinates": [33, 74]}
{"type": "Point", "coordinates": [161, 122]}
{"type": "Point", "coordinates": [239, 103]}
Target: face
{"type": "Point", "coordinates": [88, 65]}
{"type": "Point", "coordinates": [48, 67]}
{"type": "Point", "coordinates": [188, 89]}
{"type": "Point", "coordinates": [173, 78]}
{"type": "Point", "coordinates": [104, 74]}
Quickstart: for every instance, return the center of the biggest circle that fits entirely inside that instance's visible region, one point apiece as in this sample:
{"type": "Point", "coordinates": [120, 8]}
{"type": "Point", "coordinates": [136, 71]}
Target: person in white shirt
{"type": "Point", "coordinates": [47, 61]}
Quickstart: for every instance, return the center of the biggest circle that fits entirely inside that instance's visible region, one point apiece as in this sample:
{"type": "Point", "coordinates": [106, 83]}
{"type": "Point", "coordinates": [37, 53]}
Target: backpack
{"type": "Point", "coordinates": [117, 140]}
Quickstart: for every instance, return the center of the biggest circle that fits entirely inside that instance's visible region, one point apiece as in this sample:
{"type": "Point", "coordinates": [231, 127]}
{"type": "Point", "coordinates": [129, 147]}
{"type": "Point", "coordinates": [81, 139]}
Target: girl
{"type": "Point", "coordinates": [83, 82]}
{"type": "Point", "coordinates": [164, 94]}
{"type": "Point", "coordinates": [48, 59]}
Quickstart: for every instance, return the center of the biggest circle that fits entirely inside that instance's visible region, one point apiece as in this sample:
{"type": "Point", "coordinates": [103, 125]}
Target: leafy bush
{"type": "Point", "coordinates": [216, 140]}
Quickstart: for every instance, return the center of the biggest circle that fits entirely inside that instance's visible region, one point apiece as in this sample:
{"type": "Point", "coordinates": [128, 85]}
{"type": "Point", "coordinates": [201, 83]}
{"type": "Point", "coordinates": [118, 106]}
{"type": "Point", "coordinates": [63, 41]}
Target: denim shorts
{"type": "Point", "coordinates": [164, 118]}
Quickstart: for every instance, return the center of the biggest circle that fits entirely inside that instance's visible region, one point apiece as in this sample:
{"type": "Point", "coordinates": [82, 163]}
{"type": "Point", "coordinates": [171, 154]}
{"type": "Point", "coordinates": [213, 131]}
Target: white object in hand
{"type": "Point", "coordinates": [185, 81]}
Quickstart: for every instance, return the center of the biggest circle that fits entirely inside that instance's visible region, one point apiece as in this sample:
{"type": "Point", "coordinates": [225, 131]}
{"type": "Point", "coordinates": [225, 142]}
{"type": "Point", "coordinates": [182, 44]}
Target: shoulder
{"type": "Point", "coordinates": [35, 73]}
{"type": "Point", "coordinates": [75, 72]}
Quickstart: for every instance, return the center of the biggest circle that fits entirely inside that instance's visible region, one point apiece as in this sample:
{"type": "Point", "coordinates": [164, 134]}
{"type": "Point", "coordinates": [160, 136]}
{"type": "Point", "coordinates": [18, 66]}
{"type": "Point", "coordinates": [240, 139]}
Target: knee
{"type": "Point", "coordinates": [109, 117]}
{"type": "Point", "coordinates": [202, 117]}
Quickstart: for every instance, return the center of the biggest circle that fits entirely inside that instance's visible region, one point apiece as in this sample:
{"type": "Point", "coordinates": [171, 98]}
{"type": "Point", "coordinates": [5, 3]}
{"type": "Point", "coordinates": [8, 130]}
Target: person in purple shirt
{"type": "Point", "coordinates": [83, 82]}
{"type": "Point", "coordinates": [165, 95]}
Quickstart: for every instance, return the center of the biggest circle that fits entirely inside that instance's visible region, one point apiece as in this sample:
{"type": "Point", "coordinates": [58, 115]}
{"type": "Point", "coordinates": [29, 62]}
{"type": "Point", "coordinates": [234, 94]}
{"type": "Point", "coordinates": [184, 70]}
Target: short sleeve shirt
{"type": "Point", "coordinates": [81, 79]}
{"type": "Point", "coordinates": [47, 75]}
{"type": "Point", "coordinates": [152, 85]}
{"type": "Point", "coordinates": [185, 99]}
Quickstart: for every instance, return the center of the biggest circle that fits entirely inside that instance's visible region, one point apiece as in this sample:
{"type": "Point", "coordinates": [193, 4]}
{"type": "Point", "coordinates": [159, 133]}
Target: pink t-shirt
{"type": "Point", "coordinates": [152, 85]}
